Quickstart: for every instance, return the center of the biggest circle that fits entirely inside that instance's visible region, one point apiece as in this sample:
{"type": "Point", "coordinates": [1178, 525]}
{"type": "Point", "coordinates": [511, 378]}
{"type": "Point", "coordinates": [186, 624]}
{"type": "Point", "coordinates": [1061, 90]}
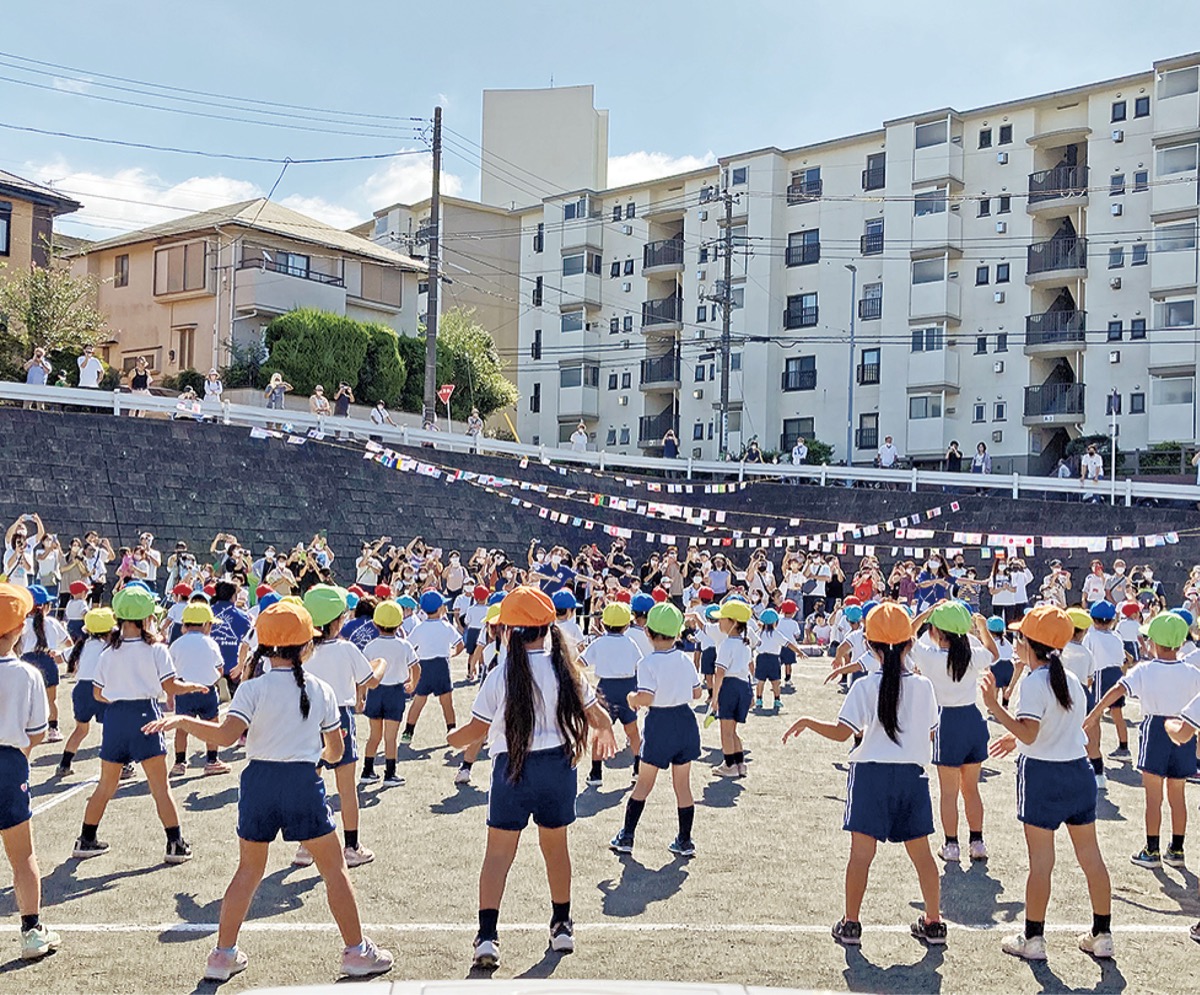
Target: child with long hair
{"type": "Point", "coordinates": [894, 710]}
{"type": "Point", "coordinates": [731, 690]}
{"type": "Point", "coordinates": [98, 623]}
{"type": "Point", "coordinates": [44, 644]}
{"type": "Point", "coordinates": [1055, 783]}
{"type": "Point", "coordinates": [291, 721]}
{"type": "Point", "coordinates": [535, 709]}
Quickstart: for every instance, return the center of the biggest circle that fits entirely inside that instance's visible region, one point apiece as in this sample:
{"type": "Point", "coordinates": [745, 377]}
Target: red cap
{"type": "Point", "coordinates": [659, 595]}
{"type": "Point", "coordinates": [78, 587]}
{"type": "Point", "coordinates": [179, 590]}
{"type": "Point", "coordinates": [1131, 609]}
{"type": "Point", "coordinates": [788, 607]}
{"type": "Point", "coordinates": [623, 596]}
{"type": "Point", "coordinates": [210, 589]}
{"type": "Point", "coordinates": [852, 599]}
{"type": "Point", "coordinates": [480, 593]}
{"type": "Point", "coordinates": [382, 591]}
{"type": "Point", "coordinates": [356, 590]}
{"type": "Point", "coordinates": [706, 594]}
{"type": "Point", "coordinates": [260, 591]}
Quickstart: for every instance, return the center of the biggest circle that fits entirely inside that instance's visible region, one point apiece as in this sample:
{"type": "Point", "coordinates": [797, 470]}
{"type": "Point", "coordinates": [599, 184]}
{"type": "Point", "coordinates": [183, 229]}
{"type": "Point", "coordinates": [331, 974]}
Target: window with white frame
{"type": "Point", "coordinates": [571, 321]}
{"type": "Point", "coordinates": [1172, 390]}
{"type": "Point", "coordinates": [935, 133]}
{"type": "Point", "coordinates": [583, 375]}
{"type": "Point", "coordinates": [1175, 238]}
{"type": "Point", "coordinates": [1177, 159]}
{"type": "Point", "coordinates": [929, 202]}
{"type": "Point", "coordinates": [929, 270]}
{"type": "Point", "coordinates": [932, 339]}
{"type": "Point", "coordinates": [925, 406]}
{"type": "Point", "coordinates": [1178, 82]}
{"type": "Point", "coordinates": [1175, 314]}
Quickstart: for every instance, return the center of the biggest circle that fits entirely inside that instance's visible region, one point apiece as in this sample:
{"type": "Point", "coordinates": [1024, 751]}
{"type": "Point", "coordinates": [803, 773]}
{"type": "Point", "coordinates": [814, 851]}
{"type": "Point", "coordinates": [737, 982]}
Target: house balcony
{"type": "Point", "coordinates": [938, 301]}
{"type": "Point", "coordinates": [663, 316]}
{"type": "Point", "coordinates": [798, 380]}
{"type": "Point", "coordinates": [1054, 404]}
{"type": "Point", "coordinates": [1172, 271]}
{"type": "Point", "coordinates": [652, 428]}
{"type": "Point", "coordinates": [1054, 332]}
{"type": "Point", "coordinates": [803, 255]}
{"type": "Point", "coordinates": [868, 374]}
{"type": "Point", "coordinates": [578, 402]}
{"type": "Point", "coordinates": [804, 192]}
{"type": "Point", "coordinates": [1057, 188]}
{"type": "Point", "coordinates": [581, 233]}
{"type": "Point", "coordinates": [660, 373]}
{"type": "Point", "coordinates": [662, 257]}
{"type": "Point", "coordinates": [936, 370]}
{"type": "Point", "coordinates": [276, 288]}
{"type": "Point", "coordinates": [936, 230]}
{"type": "Point", "coordinates": [870, 245]}
{"type": "Point", "coordinates": [870, 308]}
{"type": "Point", "coordinates": [1056, 260]}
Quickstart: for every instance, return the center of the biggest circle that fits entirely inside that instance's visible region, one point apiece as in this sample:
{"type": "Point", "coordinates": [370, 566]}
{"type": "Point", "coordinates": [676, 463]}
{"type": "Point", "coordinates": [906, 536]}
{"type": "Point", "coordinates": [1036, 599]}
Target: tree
{"type": "Point", "coordinates": [311, 347]}
{"type": "Point", "coordinates": [47, 306]}
{"type": "Point", "coordinates": [477, 371]}
{"type": "Point", "coordinates": [384, 372]}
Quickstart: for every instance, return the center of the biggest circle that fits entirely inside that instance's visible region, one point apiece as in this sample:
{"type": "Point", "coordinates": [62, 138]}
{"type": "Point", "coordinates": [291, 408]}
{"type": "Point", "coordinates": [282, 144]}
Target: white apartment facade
{"type": "Point", "coordinates": [1013, 266]}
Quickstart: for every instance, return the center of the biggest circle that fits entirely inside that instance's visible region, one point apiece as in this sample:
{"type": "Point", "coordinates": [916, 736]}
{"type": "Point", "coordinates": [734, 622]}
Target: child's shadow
{"type": "Point", "coordinates": [275, 896]}
{"type": "Point", "coordinates": [466, 797]}
{"type": "Point", "coordinates": [1111, 979]}
{"type": "Point", "coordinates": [722, 792]}
{"type": "Point", "coordinates": [593, 802]}
{"type": "Point", "coordinates": [972, 895]}
{"type": "Point", "coordinates": [863, 976]}
{"type": "Point", "coordinates": [639, 886]}
{"type": "Point", "coordinates": [195, 802]}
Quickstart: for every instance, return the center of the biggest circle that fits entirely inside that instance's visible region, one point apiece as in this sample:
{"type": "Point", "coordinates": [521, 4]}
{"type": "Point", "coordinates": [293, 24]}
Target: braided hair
{"type": "Point", "coordinates": [295, 656]}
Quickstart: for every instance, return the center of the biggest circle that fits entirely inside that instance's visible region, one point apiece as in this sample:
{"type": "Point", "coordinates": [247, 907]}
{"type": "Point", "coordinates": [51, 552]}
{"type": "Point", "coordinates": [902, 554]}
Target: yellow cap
{"type": "Point", "coordinates": [388, 615]}
{"type": "Point", "coordinates": [739, 611]}
{"type": "Point", "coordinates": [1079, 618]}
{"type": "Point", "coordinates": [493, 615]}
{"type": "Point", "coordinates": [100, 621]}
{"type": "Point", "coordinates": [198, 613]}
{"type": "Point", "coordinates": [616, 614]}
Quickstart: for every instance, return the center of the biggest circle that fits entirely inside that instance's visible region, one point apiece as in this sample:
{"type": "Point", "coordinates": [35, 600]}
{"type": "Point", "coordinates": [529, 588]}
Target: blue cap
{"type": "Point", "coordinates": [406, 601]}
{"type": "Point", "coordinates": [853, 613]}
{"type": "Point", "coordinates": [495, 599]}
{"type": "Point", "coordinates": [866, 609]}
{"type": "Point", "coordinates": [139, 583]}
{"type": "Point", "coordinates": [997, 625]}
{"type": "Point", "coordinates": [39, 594]}
{"type": "Point", "coordinates": [564, 600]}
{"type": "Point", "coordinates": [1183, 613]}
{"type": "Point", "coordinates": [1104, 611]}
{"type": "Point", "coordinates": [640, 604]}
{"type": "Point", "coordinates": [431, 601]}
{"type": "Point", "coordinates": [351, 600]}
{"type": "Point", "coordinates": [769, 617]}
{"type": "Point", "coordinates": [267, 600]}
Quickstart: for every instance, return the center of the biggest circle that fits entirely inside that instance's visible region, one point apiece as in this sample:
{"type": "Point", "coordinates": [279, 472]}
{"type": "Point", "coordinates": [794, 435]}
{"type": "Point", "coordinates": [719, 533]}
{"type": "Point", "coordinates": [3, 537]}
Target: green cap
{"type": "Point", "coordinates": [1167, 629]}
{"type": "Point", "coordinates": [951, 616]}
{"type": "Point", "coordinates": [325, 603]}
{"type": "Point", "coordinates": [135, 604]}
{"type": "Point", "coordinates": [665, 619]}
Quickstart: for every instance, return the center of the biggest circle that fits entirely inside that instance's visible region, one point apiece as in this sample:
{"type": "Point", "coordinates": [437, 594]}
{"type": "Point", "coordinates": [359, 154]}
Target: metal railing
{"type": "Point", "coordinates": [798, 380]}
{"type": "Point", "coordinates": [803, 255]}
{"type": "Point", "coordinates": [107, 404]}
{"type": "Point", "coordinates": [870, 244]}
{"type": "Point", "coordinates": [664, 311]}
{"type": "Point", "coordinates": [271, 266]}
{"type": "Point", "coordinates": [667, 252]}
{"type": "Point", "coordinates": [874, 178]}
{"type": "Point", "coordinates": [1054, 327]}
{"type": "Point", "coordinates": [1054, 399]}
{"type": "Point", "coordinates": [652, 428]}
{"type": "Point", "coordinates": [804, 191]}
{"type": "Point", "coordinates": [1057, 254]}
{"type": "Point", "coordinates": [868, 373]}
{"type": "Point", "coordinates": [870, 308]}
{"type": "Point", "coordinates": [800, 317]}
{"type": "Point", "coordinates": [661, 369]}
{"type": "Point", "coordinates": [1061, 181]}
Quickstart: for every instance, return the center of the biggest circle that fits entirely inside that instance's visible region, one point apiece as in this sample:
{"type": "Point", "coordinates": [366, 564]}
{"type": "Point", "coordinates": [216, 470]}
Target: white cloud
{"type": "Point", "coordinates": [323, 210]}
{"type": "Point", "coordinates": [406, 180]}
{"type": "Point", "coordinates": [71, 85]}
{"type": "Point", "coordinates": [636, 167]}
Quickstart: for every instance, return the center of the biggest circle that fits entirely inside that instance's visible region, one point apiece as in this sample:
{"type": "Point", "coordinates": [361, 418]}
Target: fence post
{"type": "Point", "coordinates": [116, 403]}
{"type": "Point", "coordinates": [1128, 492]}
{"type": "Point", "coordinates": [824, 474]}
{"type": "Point", "coordinates": [601, 459]}
{"type": "Point", "coordinates": [913, 486]}
{"type": "Point", "coordinates": [404, 434]}
{"type": "Point", "coordinates": [741, 472]}
{"type": "Point", "coordinates": [689, 468]}
{"type": "Point", "coordinates": [1016, 491]}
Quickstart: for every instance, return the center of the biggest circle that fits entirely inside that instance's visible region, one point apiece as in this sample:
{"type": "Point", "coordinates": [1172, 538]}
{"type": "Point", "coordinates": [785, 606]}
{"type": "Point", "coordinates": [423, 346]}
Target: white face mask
{"type": "Point", "coordinates": [934, 564]}
{"type": "Point", "coordinates": [541, 557]}
{"type": "Point", "coordinates": [555, 561]}
{"type": "Point", "coordinates": [454, 559]}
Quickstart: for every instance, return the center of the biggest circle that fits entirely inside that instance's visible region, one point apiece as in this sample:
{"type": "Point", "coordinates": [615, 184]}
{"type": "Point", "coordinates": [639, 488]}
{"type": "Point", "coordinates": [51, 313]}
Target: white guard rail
{"type": "Point", "coordinates": [1124, 491]}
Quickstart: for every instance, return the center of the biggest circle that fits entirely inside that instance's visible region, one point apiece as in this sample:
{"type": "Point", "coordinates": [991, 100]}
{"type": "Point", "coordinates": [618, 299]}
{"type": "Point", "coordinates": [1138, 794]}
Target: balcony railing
{"type": "Point", "coordinates": [874, 178]}
{"type": "Point", "coordinates": [800, 317]}
{"type": "Point", "coordinates": [1055, 327]}
{"type": "Point", "coordinates": [270, 266]}
{"type": "Point", "coordinates": [1061, 181]}
{"type": "Point", "coordinates": [1054, 399]}
{"type": "Point", "coordinates": [804, 191]}
{"type": "Point", "coordinates": [871, 244]}
{"type": "Point", "coordinates": [870, 308]}
{"type": "Point", "coordinates": [798, 380]}
{"type": "Point", "coordinates": [803, 255]}
{"type": "Point", "coordinates": [664, 311]}
{"type": "Point", "coordinates": [667, 252]}
{"type": "Point", "coordinates": [866, 438]}
{"type": "Point", "coordinates": [868, 373]}
{"type": "Point", "coordinates": [1057, 254]}
{"type": "Point", "coordinates": [661, 369]}
{"type": "Point", "coordinates": [652, 428]}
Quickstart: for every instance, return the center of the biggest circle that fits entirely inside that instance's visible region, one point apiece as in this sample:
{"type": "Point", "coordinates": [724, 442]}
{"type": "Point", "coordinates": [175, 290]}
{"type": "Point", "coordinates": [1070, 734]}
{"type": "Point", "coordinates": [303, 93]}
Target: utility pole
{"type": "Point", "coordinates": [431, 319]}
{"type": "Point", "coordinates": [850, 375]}
{"type": "Point", "coordinates": [726, 301]}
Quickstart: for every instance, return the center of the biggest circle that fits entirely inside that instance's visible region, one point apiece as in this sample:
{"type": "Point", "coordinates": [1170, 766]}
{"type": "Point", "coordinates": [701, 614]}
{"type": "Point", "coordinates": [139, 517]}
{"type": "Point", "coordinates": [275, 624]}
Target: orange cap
{"type": "Point", "coordinates": [527, 606]}
{"type": "Point", "coordinates": [889, 623]}
{"type": "Point", "coordinates": [15, 603]}
{"type": "Point", "coordinates": [284, 624]}
{"type": "Point", "coordinates": [1046, 624]}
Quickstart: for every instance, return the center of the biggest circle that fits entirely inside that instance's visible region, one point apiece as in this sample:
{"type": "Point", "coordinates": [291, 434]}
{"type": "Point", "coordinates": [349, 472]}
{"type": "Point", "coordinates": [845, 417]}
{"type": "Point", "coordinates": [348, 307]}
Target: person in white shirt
{"type": "Point", "coordinates": [1055, 783]}
{"type": "Point", "coordinates": [535, 740]}
{"type": "Point", "coordinates": [887, 791]}
{"type": "Point", "coordinates": [90, 368]}
{"type": "Point", "coordinates": [614, 659]}
{"type": "Point", "coordinates": [44, 647]}
{"type": "Point", "coordinates": [380, 415]}
{"type": "Point", "coordinates": [436, 641]}
{"type": "Point", "coordinates": [85, 654]}
{"type": "Point", "coordinates": [731, 686]}
{"type": "Point", "coordinates": [579, 439]}
{"type": "Point", "coordinates": [768, 657]}
{"type": "Point", "coordinates": [1095, 584]}
{"type": "Point", "coordinates": [888, 453]}
{"type": "Point", "coordinates": [384, 706]}
{"type": "Point", "coordinates": [667, 684]}
{"type": "Point", "coordinates": [472, 619]}
{"type": "Point", "coordinates": [1109, 651]}
{"type": "Point", "coordinates": [1091, 472]}
{"type": "Point", "coordinates": [197, 659]}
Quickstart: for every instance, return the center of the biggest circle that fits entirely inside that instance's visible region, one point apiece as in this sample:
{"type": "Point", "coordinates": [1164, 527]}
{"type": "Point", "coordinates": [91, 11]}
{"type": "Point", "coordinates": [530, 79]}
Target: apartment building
{"type": "Point", "coordinates": [180, 292]}
{"type": "Point", "coordinates": [27, 213]}
{"type": "Point", "coordinates": [1008, 271]}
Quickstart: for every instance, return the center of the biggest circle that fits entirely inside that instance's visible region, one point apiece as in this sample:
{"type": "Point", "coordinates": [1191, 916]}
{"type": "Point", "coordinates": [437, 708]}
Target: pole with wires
{"type": "Point", "coordinates": [726, 301]}
{"type": "Point", "coordinates": [431, 318]}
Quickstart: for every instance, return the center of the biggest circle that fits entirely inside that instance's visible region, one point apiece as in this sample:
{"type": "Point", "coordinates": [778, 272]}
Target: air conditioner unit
{"type": "Point", "coordinates": [704, 215]}
{"type": "Point", "coordinates": [626, 286]}
{"type": "Point", "coordinates": [998, 436]}
{"type": "Point", "coordinates": [1001, 227]}
{"type": "Point", "coordinates": [627, 229]}
{"type": "Point", "coordinates": [998, 296]}
{"type": "Point", "coordinates": [955, 207]}
{"type": "Point", "coordinates": [698, 394]}
{"type": "Point", "coordinates": [1115, 283]}
{"type": "Point", "coordinates": [998, 366]}
{"type": "Point", "coordinates": [1002, 158]}
{"type": "Point", "coordinates": [622, 400]}
{"type": "Point", "coordinates": [700, 275]}
{"type": "Point", "coordinates": [1118, 135]}
{"type": "Point", "coordinates": [1116, 210]}
{"type": "Point", "coordinates": [1114, 356]}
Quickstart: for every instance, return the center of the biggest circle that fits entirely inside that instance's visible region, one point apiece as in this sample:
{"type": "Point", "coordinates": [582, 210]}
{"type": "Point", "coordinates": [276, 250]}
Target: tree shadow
{"type": "Point", "coordinates": [1111, 979]}
{"type": "Point", "coordinates": [640, 886]}
{"type": "Point", "coordinates": [863, 976]}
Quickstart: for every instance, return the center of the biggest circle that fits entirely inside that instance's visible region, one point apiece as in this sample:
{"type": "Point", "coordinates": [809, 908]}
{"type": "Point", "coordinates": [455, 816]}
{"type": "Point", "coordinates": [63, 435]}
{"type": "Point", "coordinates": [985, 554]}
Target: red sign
{"type": "Point", "coordinates": [445, 391]}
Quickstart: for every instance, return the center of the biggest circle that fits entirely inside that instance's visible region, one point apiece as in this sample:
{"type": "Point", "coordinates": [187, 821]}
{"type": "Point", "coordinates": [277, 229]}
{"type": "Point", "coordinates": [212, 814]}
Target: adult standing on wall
{"type": "Point", "coordinates": [474, 424]}
{"type": "Point", "coordinates": [274, 391]}
{"type": "Point", "coordinates": [138, 380]}
{"type": "Point", "coordinates": [579, 439]}
{"type": "Point", "coordinates": [214, 389]}
{"type": "Point", "coordinates": [90, 369]}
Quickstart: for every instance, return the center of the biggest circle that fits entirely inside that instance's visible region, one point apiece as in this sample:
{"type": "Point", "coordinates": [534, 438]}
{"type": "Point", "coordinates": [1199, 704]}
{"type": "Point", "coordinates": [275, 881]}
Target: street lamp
{"type": "Point", "coordinates": [850, 373]}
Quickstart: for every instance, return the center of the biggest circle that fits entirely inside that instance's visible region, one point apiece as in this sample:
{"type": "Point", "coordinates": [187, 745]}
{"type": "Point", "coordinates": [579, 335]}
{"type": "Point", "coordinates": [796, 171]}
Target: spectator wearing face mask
{"type": "Point", "coordinates": [553, 572]}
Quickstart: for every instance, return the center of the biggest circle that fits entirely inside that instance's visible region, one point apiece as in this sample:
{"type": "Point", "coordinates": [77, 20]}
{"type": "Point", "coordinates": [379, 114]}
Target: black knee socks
{"type": "Point", "coordinates": [633, 812]}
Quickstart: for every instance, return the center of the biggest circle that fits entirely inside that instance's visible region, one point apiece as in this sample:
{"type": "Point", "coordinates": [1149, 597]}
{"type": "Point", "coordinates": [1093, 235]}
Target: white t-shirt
{"type": "Point", "coordinates": [474, 615]}
{"type": "Point", "coordinates": [24, 710]}
{"type": "Point", "coordinates": [1094, 587]}
{"type": "Point", "coordinates": [917, 717]}
{"type": "Point", "coordinates": [670, 676]}
{"type": "Point", "coordinates": [1106, 648]}
{"type": "Point", "coordinates": [572, 632]}
{"type": "Point", "coordinates": [48, 568]}
{"type": "Point", "coordinates": [789, 628]}
{"type": "Point", "coordinates": [90, 371]}
{"type": "Point", "coordinates": [433, 638]}
{"type": "Point", "coordinates": [57, 636]}
{"type": "Point", "coordinates": [579, 441]}
{"type": "Point", "coordinates": [733, 656]}
{"type": "Point", "coordinates": [888, 454]}
{"type": "Point", "coordinates": [276, 731]}
{"type": "Point", "coordinates": [931, 661]}
{"type": "Point", "coordinates": [1078, 660]}
{"type": "Point", "coordinates": [18, 566]}
{"type": "Point", "coordinates": [197, 658]}
{"type": "Point", "coordinates": [399, 654]}
{"type": "Point", "coordinates": [1003, 589]}
{"type": "Point", "coordinates": [1020, 580]}
{"type": "Point", "coordinates": [640, 639]}
{"type": "Point", "coordinates": [133, 671]}
{"type": "Point", "coordinates": [1160, 685]}
{"type": "Point", "coordinates": [771, 641]}
{"type": "Point", "coordinates": [1060, 731]}
{"type": "Point", "coordinates": [1190, 712]}
{"type": "Point", "coordinates": [613, 655]}
{"type": "Point", "coordinates": [75, 610]}
{"type": "Point", "coordinates": [341, 665]}
{"type": "Point", "coordinates": [1128, 630]}
{"type": "Point", "coordinates": [490, 703]}
{"type": "Point", "coordinates": [1092, 465]}
{"type": "Point", "coordinates": [89, 656]}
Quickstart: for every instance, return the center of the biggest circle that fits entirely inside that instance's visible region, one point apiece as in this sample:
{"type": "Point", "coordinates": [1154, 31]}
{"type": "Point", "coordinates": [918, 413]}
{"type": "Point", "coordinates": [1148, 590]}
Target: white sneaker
{"type": "Point", "coordinates": [222, 966]}
{"type": "Point", "coordinates": [54, 736]}
{"type": "Point", "coordinates": [742, 770]}
{"type": "Point", "coordinates": [978, 850]}
{"type": "Point", "coordinates": [364, 961]}
{"type": "Point", "coordinates": [356, 856]}
{"type": "Point", "coordinates": [36, 943]}
{"type": "Point", "coordinates": [303, 858]}
{"type": "Point", "coordinates": [727, 770]}
{"type": "Point", "coordinates": [1025, 947]}
{"type": "Point", "coordinates": [487, 953]}
{"type": "Point", "coordinates": [1100, 946]}
{"type": "Point", "coordinates": [462, 775]}
{"type": "Point", "coordinates": [950, 852]}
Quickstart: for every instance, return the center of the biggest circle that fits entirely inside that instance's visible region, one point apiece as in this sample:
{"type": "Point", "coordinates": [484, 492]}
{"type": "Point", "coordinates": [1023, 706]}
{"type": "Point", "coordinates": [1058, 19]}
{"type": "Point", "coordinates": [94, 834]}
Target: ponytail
{"type": "Point", "coordinates": [958, 654]}
{"type": "Point", "coordinates": [77, 651]}
{"type": "Point", "coordinates": [888, 708]}
{"type": "Point", "coordinates": [38, 617]}
{"type": "Point", "coordinates": [145, 632]}
{"type": "Point", "coordinates": [569, 712]}
{"type": "Point", "coordinates": [1058, 675]}
{"type": "Point", "coordinates": [294, 655]}
{"type": "Point", "coordinates": [519, 694]}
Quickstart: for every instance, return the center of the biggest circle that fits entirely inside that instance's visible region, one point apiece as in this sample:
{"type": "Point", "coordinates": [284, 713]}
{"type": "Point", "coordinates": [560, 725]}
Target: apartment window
{"type": "Point", "coordinates": [925, 406]}
{"type": "Point", "coordinates": [626, 381]}
{"type": "Point", "coordinates": [535, 399]}
{"type": "Point", "coordinates": [875, 175]}
{"type": "Point", "coordinates": [804, 247]}
{"type": "Point", "coordinates": [1175, 314]}
{"type": "Point", "coordinates": [929, 270]}
{"type": "Point", "coordinates": [585, 375]}
{"type": "Point", "coordinates": [6, 210]}
{"type": "Point", "coordinates": [537, 292]}
{"type": "Point", "coordinates": [578, 262]}
{"type": "Point", "coordinates": [1116, 257]}
{"type": "Point", "coordinates": [868, 370]}
{"type": "Point", "coordinates": [1178, 82]}
{"type": "Point", "coordinates": [701, 314]}
{"type": "Point", "coordinates": [980, 345]}
{"type": "Point", "coordinates": [1118, 111]}
{"type": "Point", "coordinates": [628, 270]}
{"type": "Point", "coordinates": [121, 272]}
{"type": "Point", "coordinates": [1004, 205]}
{"type": "Point", "coordinates": [929, 202]}
{"type": "Point", "coordinates": [614, 326]}
{"type": "Point", "coordinates": [576, 209]}
{"type": "Point", "coordinates": [187, 348]}
{"type": "Point", "coordinates": [1000, 411]}
{"type": "Point", "coordinates": [571, 321]}
{"type": "Point", "coordinates": [1141, 180]}
{"type": "Point", "coordinates": [981, 275]}
{"type": "Point", "coordinates": [703, 254]}
{"type": "Point", "coordinates": [625, 436]}
{"type": "Point", "coordinates": [1116, 185]}
{"type": "Point", "coordinates": [985, 138]}
{"type": "Point", "coordinates": [797, 428]}
{"type": "Point", "coordinates": [978, 412]}
{"type": "Point", "coordinates": [1175, 238]}
{"type": "Point", "coordinates": [1002, 342]}
{"type": "Point", "coordinates": [985, 207]}
{"type": "Point", "coordinates": [805, 185]}
{"type": "Point", "coordinates": [611, 438]}
{"type": "Point", "coordinates": [614, 268]}
{"type": "Point", "coordinates": [422, 286]}
{"type": "Point", "coordinates": [380, 283]}
{"type": "Point", "coordinates": [1172, 390]}
{"type": "Point", "coordinates": [630, 210]}
{"type": "Point", "coordinates": [1137, 328]}
{"type": "Point", "coordinates": [699, 374]}
{"type": "Point", "coordinates": [737, 298]}
{"type": "Point", "coordinates": [735, 361]}
{"type": "Point", "coordinates": [800, 373]}
{"type": "Point", "coordinates": [928, 135]}
{"type": "Point", "coordinates": [928, 339]}
{"type": "Point", "coordinates": [616, 212]}
{"type": "Point", "coordinates": [1116, 331]}
{"type": "Point", "coordinates": [871, 243]}
{"type": "Point", "coordinates": [627, 323]}
{"type": "Point", "coordinates": [179, 268]}
{"type": "Point", "coordinates": [868, 431]}
{"type": "Point", "coordinates": [1138, 254]}
{"type": "Point", "coordinates": [539, 238]}
{"type": "Point", "coordinates": [1002, 272]}
{"type": "Point", "coordinates": [1178, 159]}
{"type": "Point", "coordinates": [739, 175]}
{"type": "Point", "coordinates": [535, 347]}
{"type": "Point", "coordinates": [1137, 404]}
{"type": "Point", "coordinates": [1141, 107]}
{"type": "Point", "coordinates": [612, 381]}
{"type": "Point", "coordinates": [801, 311]}
{"type": "Point", "coordinates": [1005, 136]}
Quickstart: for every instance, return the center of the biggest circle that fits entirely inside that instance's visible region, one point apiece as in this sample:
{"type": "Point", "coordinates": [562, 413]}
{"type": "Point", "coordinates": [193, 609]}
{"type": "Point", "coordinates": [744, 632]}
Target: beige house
{"type": "Point", "coordinates": [27, 213]}
{"type": "Point", "coordinates": [181, 292]}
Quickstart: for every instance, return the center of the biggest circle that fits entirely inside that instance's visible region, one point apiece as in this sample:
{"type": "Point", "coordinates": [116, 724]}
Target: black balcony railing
{"type": "Point", "coordinates": [667, 252]}
{"type": "Point", "coordinates": [652, 428]}
{"type": "Point", "coordinates": [804, 191]}
{"type": "Point", "coordinates": [1055, 327]}
{"type": "Point", "coordinates": [291, 269]}
{"type": "Point", "coordinates": [1057, 254]}
{"type": "Point", "coordinates": [661, 369]}
{"type": "Point", "coordinates": [871, 244]}
{"type": "Point", "coordinates": [870, 308]}
{"type": "Point", "coordinates": [539, 242]}
{"type": "Point", "coordinates": [874, 178]}
{"type": "Point", "coordinates": [866, 438]}
{"type": "Point", "coordinates": [800, 317]}
{"type": "Point", "coordinates": [868, 373]}
{"type": "Point", "coordinates": [803, 255]}
{"type": "Point", "coordinates": [798, 380]}
{"type": "Point", "coordinates": [1054, 399]}
{"type": "Point", "coordinates": [1061, 181]}
{"type": "Point", "coordinates": [664, 311]}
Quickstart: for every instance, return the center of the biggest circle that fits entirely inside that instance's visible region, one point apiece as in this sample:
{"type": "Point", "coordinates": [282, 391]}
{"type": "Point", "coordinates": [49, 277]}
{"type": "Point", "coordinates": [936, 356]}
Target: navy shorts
{"type": "Point", "coordinates": [75, 629]}
{"type": "Point", "coordinates": [1051, 792]}
{"type": "Point", "coordinates": [961, 737]}
{"type": "Point", "coordinates": [888, 802]}
{"type": "Point", "coordinates": [276, 797]}
{"type": "Point", "coordinates": [45, 665]}
{"type": "Point", "coordinates": [1103, 682]}
{"type": "Point", "coordinates": [14, 788]}
{"type": "Point", "coordinates": [787, 656]}
{"type": "Point", "coordinates": [435, 677]}
{"type": "Point", "coordinates": [733, 700]}
{"type": "Point", "coordinates": [1159, 754]}
{"type": "Point", "coordinates": [615, 691]}
{"type": "Point", "coordinates": [84, 703]}
{"type": "Point", "coordinates": [767, 667]}
{"type": "Point", "coordinates": [386, 701]}
{"type": "Point", "coordinates": [671, 737]}
{"type": "Point", "coordinates": [1132, 650]}
{"type": "Point", "coordinates": [1002, 670]}
{"type": "Point", "coordinates": [198, 704]}
{"type": "Point", "coordinates": [349, 743]}
{"type": "Point", "coordinates": [470, 640]}
{"type": "Point", "coordinates": [545, 793]}
{"type": "Point", "coordinates": [708, 660]}
{"type": "Point", "coordinates": [123, 741]}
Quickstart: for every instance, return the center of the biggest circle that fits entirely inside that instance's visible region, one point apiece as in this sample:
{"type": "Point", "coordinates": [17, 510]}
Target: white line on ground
{"type": "Point", "coordinates": [62, 796]}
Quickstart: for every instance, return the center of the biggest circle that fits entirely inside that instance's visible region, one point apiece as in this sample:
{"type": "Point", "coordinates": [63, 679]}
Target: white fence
{"type": "Point", "coordinates": [1118, 491]}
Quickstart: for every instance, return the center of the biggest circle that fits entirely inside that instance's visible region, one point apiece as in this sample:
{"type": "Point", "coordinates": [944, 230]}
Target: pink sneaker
{"type": "Point", "coordinates": [365, 960]}
{"type": "Point", "coordinates": [224, 964]}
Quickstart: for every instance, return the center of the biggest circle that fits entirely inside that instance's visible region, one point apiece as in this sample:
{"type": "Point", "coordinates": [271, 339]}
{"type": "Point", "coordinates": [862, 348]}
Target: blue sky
{"type": "Point", "coordinates": [682, 82]}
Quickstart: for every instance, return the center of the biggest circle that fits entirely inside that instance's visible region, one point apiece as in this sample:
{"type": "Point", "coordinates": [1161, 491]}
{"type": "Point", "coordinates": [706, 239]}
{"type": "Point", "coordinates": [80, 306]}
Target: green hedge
{"type": "Point", "coordinates": [315, 347]}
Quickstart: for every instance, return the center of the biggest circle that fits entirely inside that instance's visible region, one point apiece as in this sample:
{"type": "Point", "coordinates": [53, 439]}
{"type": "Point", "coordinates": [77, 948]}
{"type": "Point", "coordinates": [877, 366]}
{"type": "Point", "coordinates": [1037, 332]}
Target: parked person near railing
{"type": "Point", "coordinates": [380, 416]}
{"type": "Point", "coordinates": [213, 391]}
{"type": "Point", "coordinates": [474, 424]}
{"type": "Point", "coordinates": [579, 439]}
{"type": "Point", "coordinates": [273, 392]}
{"type": "Point", "coordinates": [430, 425]}
{"type": "Point", "coordinates": [753, 453]}
{"type": "Point", "coordinates": [138, 381]}
{"type": "Point", "coordinates": [1091, 473]}
{"type": "Point", "coordinates": [318, 405]}
{"type": "Point", "coordinates": [37, 372]}
{"type": "Point", "coordinates": [341, 404]}
{"type": "Point", "coordinates": [90, 368]}
{"type": "Point", "coordinates": [888, 454]}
